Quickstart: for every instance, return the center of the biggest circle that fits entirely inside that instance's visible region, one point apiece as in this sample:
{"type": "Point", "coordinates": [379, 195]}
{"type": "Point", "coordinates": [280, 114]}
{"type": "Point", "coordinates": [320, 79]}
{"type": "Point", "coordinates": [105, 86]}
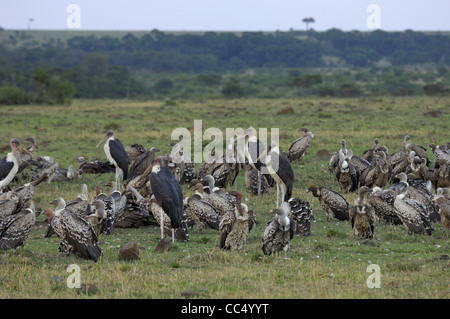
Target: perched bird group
{"type": "Point", "coordinates": [408, 200]}
{"type": "Point", "coordinates": [398, 188]}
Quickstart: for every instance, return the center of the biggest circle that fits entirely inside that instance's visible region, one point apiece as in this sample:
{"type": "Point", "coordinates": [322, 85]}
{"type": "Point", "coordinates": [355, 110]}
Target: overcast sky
{"type": "Point", "coordinates": [226, 15]}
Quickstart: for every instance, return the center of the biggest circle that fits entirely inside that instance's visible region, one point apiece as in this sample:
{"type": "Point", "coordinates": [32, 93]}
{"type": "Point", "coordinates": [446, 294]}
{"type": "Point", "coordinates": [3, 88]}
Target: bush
{"type": "Point", "coordinates": [435, 90]}
{"type": "Point", "coordinates": [61, 91]}
{"type": "Point", "coordinates": [11, 95]}
{"type": "Point", "coordinates": [233, 89]}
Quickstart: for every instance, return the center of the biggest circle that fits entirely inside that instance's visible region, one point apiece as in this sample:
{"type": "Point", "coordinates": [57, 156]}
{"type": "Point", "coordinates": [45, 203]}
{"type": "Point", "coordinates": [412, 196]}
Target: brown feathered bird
{"type": "Point", "coordinates": [279, 232]}
{"type": "Point", "coordinates": [203, 213]}
{"type": "Point", "coordinates": [383, 203]}
{"type": "Point", "coordinates": [362, 216]}
{"type": "Point", "coordinates": [444, 207]}
{"type": "Point", "coordinates": [413, 214]}
{"type": "Point", "coordinates": [76, 233]}
{"type": "Point", "coordinates": [299, 147]}
{"type": "Point", "coordinates": [234, 225]}
{"type": "Point", "coordinates": [332, 202]}
{"type": "Point", "coordinates": [14, 229]}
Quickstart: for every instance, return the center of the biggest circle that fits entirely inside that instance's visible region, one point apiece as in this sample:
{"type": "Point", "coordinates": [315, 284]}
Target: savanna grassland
{"type": "Point", "coordinates": [331, 263]}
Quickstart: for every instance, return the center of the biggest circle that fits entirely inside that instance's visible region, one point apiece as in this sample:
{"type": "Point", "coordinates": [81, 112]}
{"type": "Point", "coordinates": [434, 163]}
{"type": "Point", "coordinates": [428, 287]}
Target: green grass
{"type": "Point", "coordinates": [331, 263]}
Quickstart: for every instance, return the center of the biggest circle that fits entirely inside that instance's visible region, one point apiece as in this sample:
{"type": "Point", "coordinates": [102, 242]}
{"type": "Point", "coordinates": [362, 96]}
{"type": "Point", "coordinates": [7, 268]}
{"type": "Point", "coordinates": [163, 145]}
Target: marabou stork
{"type": "Point", "coordinates": [9, 165]}
{"type": "Point", "coordinates": [252, 150]}
{"type": "Point", "coordinates": [169, 195]}
{"type": "Point", "coordinates": [116, 154]}
{"type": "Point", "coordinates": [281, 171]}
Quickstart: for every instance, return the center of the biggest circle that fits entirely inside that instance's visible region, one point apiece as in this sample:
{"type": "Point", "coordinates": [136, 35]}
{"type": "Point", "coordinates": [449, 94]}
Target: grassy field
{"type": "Point", "coordinates": [331, 263]}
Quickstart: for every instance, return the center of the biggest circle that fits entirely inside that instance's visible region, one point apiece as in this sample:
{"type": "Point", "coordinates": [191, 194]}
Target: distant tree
{"type": "Point", "coordinates": [95, 63]}
{"type": "Point", "coordinates": [233, 89]}
{"type": "Point", "coordinates": [348, 90]}
{"type": "Point", "coordinates": [163, 86]}
{"type": "Point", "coordinates": [11, 95]}
{"type": "Point", "coordinates": [306, 80]}
{"type": "Point", "coordinates": [41, 80]}
{"type": "Point", "coordinates": [61, 91]}
{"type": "Point", "coordinates": [307, 21]}
{"type": "Point", "coordinates": [435, 89]}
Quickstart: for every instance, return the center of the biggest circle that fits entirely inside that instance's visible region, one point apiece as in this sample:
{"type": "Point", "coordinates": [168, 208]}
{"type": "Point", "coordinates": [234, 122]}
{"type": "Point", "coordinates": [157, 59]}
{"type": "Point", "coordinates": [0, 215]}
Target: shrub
{"type": "Point", "coordinates": [11, 95]}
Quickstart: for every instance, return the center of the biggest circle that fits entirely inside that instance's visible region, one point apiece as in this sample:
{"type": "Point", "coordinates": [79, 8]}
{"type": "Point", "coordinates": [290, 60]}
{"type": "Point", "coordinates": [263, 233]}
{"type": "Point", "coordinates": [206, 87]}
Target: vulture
{"type": "Point", "coordinates": [27, 157]}
{"type": "Point", "coordinates": [444, 207]}
{"type": "Point", "coordinates": [440, 154]}
{"type": "Point", "coordinates": [18, 199]}
{"type": "Point", "coordinates": [422, 192]}
{"type": "Point", "coordinates": [94, 167]}
{"type": "Point", "coordinates": [80, 204]}
{"type": "Point", "coordinates": [442, 174]}
{"type": "Point", "coordinates": [368, 154]}
{"type": "Point", "coordinates": [202, 212]}
{"type": "Point", "coordinates": [382, 202]}
{"type": "Point", "coordinates": [76, 234]}
{"type": "Point", "coordinates": [256, 183]}
{"type": "Point", "coordinates": [419, 150]}
{"type": "Point", "coordinates": [378, 174]}
{"type": "Point", "coordinates": [220, 200]}
{"type": "Point", "coordinates": [8, 204]}
{"type": "Point", "coordinates": [413, 214]}
{"type": "Point", "coordinates": [109, 210]}
{"type": "Point", "coordinates": [14, 229]}
{"type": "Point", "coordinates": [134, 150]}
{"type": "Point", "coordinates": [279, 232]}
{"type": "Point", "coordinates": [301, 212]}
{"type": "Point", "coordinates": [299, 147]}
{"type": "Point", "coordinates": [142, 161]}
{"type": "Point", "coordinates": [334, 159]}
{"type": "Point", "coordinates": [97, 216]}
{"type": "Point", "coordinates": [234, 226]}
{"type": "Point", "coordinates": [332, 202]}
{"type": "Point", "coordinates": [362, 216]}
{"type": "Point", "coordinates": [347, 175]}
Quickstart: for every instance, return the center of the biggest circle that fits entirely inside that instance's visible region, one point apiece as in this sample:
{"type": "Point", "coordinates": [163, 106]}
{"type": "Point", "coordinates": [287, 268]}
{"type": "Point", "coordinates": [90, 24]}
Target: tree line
{"type": "Point", "coordinates": [122, 67]}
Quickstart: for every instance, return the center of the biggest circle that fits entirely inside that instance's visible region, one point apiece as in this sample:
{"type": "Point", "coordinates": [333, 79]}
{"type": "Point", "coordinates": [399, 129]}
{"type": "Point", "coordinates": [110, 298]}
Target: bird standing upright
{"type": "Point", "coordinates": [281, 171]}
{"type": "Point", "coordinates": [169, 195]}
{"type": "Point", "coordinates": [116, 155]}
{"type": "Point", "coordinates": [9, 165]}
{"type": "Point", "coordinates": [362, 216]}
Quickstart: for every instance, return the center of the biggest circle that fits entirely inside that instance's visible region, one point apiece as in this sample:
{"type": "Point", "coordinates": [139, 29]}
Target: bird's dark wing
{"type": "Point", "coordinates": [5, 168]}
{"type": "Point", "coordinates": [168, 194]}
{"type": "Point", "coordinates": [120, 155]}
{"type": "Point", "coordinates": [79, 234]}
{"type": "Point", "coordinates": [286, 173]}
{"type": "Point", "coordinates": [14, 229]}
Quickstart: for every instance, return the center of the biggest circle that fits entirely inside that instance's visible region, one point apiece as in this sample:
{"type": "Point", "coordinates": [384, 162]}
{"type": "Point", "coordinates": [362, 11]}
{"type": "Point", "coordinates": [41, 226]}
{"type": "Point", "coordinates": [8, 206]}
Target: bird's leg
{"type": "Point", "coordinates": [162, 224]}
{"type": "Point", "coordinates": [259, 184]}
{"type": "Point", "coordinates": [173, 236]}
{"type": "Point", "coordinates": [278, 194]}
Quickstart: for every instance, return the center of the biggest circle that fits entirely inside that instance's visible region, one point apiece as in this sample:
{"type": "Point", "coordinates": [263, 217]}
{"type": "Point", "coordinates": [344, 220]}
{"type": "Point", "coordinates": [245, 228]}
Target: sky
{"type": "Point", "coordinates": [225, 15]}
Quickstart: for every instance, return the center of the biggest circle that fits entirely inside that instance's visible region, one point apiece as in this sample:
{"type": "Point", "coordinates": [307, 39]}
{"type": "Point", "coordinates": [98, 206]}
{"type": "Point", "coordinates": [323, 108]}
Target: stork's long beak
{"type": "Point", "coordinates": [262, 155]}
{"type": "Point", "coordinates": [23, 149]}
{"type": "Point", "coordinates": [102, 141]}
